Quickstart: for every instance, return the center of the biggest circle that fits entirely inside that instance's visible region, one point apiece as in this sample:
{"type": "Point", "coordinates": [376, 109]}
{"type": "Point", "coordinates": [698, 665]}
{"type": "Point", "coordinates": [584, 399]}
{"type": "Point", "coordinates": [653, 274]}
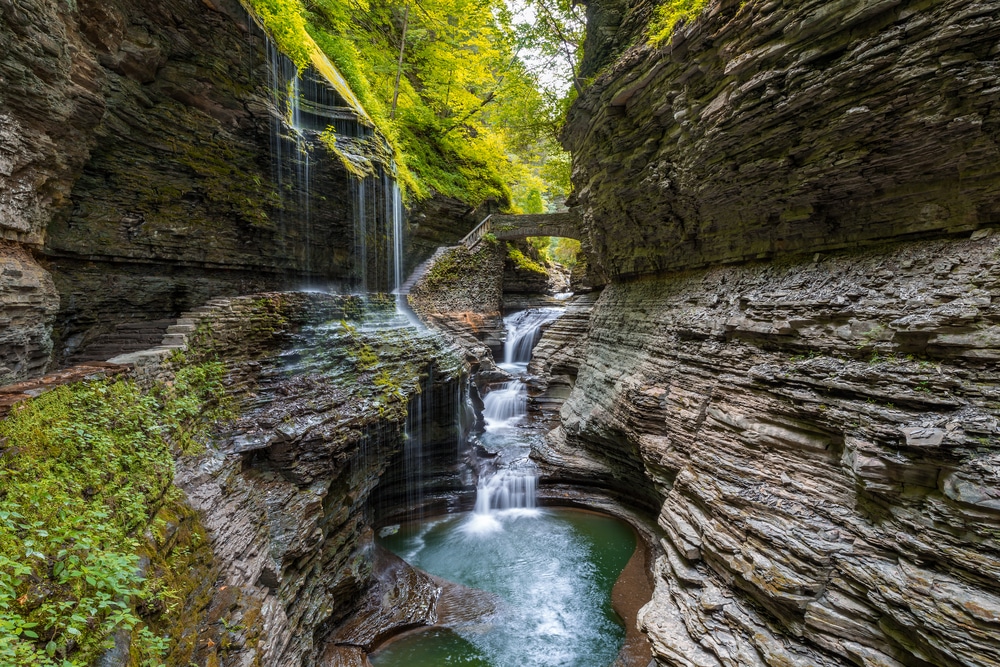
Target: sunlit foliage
{"type": "Point", "coordinates": [667, 16]}
{"type": "Point", "coordinates": [83, 469]}
{"type": "Point", "coordinates": [472, 120]}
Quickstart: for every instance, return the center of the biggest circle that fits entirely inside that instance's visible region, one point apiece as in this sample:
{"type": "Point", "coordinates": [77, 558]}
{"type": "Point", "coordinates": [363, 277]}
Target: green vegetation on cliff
{"type": "Point", "coordinates": [445, 82]}
{"type": "Point", "coordinates": [84, 470]}
{"type": "Point", "coordinates": [668, 15]}
{"type": "Point", "coordinates": [523, 262]}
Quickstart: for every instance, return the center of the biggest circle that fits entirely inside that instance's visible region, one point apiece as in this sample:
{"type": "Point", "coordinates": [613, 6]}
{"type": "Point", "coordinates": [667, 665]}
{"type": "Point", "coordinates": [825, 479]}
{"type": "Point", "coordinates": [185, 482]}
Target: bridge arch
{"type": "Point", "coordinates": [509, 227]}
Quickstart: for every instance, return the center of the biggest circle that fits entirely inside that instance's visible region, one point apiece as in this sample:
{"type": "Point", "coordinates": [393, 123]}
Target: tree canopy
{"type": "Point", "coordinates": [462, 89]}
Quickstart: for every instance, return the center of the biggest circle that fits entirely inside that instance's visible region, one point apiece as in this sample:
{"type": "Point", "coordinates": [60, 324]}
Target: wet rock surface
{"type": "Point", "coordinates": [148, 165]}
{"type": "Point", "coordinates": [819, 437]}
{"type": "Point", "coordinates": [766, 128]}
{"type": "Point", "coordinates": [285, 493]}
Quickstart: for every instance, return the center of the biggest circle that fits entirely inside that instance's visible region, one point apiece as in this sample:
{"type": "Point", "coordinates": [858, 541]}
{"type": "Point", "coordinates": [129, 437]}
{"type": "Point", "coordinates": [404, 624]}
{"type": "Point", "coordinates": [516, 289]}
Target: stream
{"type": "Point", "coordinates": [551, 569]}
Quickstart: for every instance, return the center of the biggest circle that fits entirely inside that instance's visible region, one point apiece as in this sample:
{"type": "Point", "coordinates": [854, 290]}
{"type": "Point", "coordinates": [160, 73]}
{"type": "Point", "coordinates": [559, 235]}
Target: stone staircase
{"type": "Point", "coordinates": [421, 270]}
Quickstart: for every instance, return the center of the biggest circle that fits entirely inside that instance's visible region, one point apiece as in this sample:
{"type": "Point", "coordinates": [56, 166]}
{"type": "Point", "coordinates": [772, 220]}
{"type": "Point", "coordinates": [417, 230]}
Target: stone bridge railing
{"type": "Point", "coordinates": [509, 227]}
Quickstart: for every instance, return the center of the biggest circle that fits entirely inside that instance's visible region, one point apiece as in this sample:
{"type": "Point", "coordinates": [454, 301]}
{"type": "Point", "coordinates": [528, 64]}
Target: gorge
{"type": "Point", "coordinates": [233, 433]}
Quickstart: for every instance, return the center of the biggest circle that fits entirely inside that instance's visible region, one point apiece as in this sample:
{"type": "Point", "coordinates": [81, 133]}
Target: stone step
{"type": "Point", "coordinates": [174, 340]}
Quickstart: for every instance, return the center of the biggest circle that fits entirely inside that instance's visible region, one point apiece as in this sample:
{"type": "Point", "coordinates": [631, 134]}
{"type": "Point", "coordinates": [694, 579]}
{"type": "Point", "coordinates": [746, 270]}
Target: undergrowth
{"type": "Point", "coordinates": [668, 15]}
{"type": "Point", "coordinates": [83, 469]}
{"type": "Point", "coordinates": [524, 262]}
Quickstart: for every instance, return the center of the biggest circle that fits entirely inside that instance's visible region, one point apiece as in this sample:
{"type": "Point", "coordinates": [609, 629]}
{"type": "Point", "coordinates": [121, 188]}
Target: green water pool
{"type": "Point", "coordinates": [553, 571]}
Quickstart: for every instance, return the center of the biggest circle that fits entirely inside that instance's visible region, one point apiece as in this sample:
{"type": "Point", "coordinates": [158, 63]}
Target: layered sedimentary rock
{"type": "Point", "coordinates": [771, 127]}
{"type": "Point", "coordinates": [555, 359]}
{"type": "Point", "coordinates": [268, 555]}
{"type": "Point", "coordinates": [150, 163]}
{"type": "Point", "coordinates": [822, 437]}
{"type": "Point", "coordinates": [462, 294]}
{"type": "Point", "coordinates": [817, 433]}
{"type": "Point", "coordinates": [285, 494]}
{"type": "Point", "coordinates": [28, 305]}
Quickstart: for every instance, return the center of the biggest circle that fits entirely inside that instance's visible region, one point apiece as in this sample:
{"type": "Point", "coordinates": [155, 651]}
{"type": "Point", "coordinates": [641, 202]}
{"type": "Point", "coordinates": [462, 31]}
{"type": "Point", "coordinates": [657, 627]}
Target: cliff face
{"type": "Point", "coordinates": [818, 433]}
{"type": "Point", "coordinates": [765, 128]}
{"type": "Point", "coordinates": [150, 163]}
{"type": "Point", "coordinates": [822, 439]}
{"type": "Point", "coordinates": [287, 494]}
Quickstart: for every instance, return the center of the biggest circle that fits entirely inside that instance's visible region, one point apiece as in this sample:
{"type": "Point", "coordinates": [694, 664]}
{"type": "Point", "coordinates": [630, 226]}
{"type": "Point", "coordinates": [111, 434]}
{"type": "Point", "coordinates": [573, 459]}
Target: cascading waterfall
{"type": "Point", "coordinates": [524, 328]}
{"type": "Point", "coordinates": [506, 490]}
{"type": "Point", "coordinates": [505, 406]}
{"type": "Point", "coordinates": [511, 485]}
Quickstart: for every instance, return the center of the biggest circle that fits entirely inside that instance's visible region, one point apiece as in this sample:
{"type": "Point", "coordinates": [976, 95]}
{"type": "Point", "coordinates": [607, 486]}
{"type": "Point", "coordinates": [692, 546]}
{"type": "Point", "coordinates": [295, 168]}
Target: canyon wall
{"type": "Point", "coordinates": [764, 128]}
{"type": "Point", "coordinates": [286, 494]}
{"type": "Point", "coordinates": [818, 430]}
{"type": "Point", "coordinates": [138, 171]}
{"type": "Point", "coordinates": [156, 155]}
{"type": "Point", "coordinates": [822, 438]}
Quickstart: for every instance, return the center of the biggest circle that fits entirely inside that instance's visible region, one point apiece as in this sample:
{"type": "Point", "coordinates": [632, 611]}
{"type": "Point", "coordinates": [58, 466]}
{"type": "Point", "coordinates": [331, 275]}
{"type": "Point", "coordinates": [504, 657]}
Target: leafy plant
{"type": "Point", "coordinates": [82, 471]}
{"type": "Point", "coordinates": [472, 121]}
{"type": "Point", "coordinates": [524, 262]}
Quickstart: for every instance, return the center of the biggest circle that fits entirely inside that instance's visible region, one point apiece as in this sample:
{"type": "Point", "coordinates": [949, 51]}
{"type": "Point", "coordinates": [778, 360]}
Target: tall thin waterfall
{"type": "Point", "coordinates": [303, 108]}
{"type": "Point", "coordinates": [413, 458]}
{"type": "Point", "coordinates": [290, 148]}
{"type": "Point", "coordinates": [378, 233]}
{"type": "Point", "coordinates": [359, 193]}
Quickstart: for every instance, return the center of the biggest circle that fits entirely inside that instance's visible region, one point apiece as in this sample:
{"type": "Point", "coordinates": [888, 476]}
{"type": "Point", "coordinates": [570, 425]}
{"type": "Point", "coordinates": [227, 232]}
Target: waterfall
{"type": "Point", "coordinates": [509, 483]}
{"type": "Point", "coordinates": [378, 233]}
{"type": "Point", "coordinates": [505, 406]}
{"type": "Point", "coordinates": [289, 141]}
{"type": "Point", "coordinates": [524, 328]}
{"type": "Point", "coordinates": [303, 107]}
{"type": "Point", "coordinates": [413, 459]}
{"type": "Point", "coordinates": [360, 235]}
{"type": "Point", "coordinates": [506, 490]}
{"type": "Point", "coordinates": [395, 202]}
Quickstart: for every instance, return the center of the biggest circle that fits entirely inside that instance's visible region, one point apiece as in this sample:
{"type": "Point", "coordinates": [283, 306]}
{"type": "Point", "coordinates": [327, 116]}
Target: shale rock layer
{"type": "Point", "coordinates": [765, 128]}
{"type": "Point", "coordinates": [822, 438]}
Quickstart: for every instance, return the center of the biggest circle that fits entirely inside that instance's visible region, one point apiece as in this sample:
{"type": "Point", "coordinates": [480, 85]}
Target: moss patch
{"type": "Point", "coordinates": [523, 262]}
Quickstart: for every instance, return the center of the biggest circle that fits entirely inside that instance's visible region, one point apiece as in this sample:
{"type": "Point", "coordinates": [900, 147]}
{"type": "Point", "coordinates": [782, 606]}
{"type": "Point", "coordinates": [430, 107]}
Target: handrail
{"type": "Point", "coordinates": [479, 231]}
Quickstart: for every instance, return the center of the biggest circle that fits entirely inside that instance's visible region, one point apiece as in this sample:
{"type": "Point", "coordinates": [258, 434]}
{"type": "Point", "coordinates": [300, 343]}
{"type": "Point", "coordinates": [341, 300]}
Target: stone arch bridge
{"type": "Point", "coordinates": [508, 227]}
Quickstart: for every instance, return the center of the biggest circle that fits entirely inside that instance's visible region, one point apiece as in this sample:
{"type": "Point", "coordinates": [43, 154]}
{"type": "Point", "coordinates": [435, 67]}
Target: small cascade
{"type": "Point", "coordinates": [506, 490]}
{"type": "Point", "coordinates": [524, 328]}
{"type": "Point", "coordinates": [505, 406]}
